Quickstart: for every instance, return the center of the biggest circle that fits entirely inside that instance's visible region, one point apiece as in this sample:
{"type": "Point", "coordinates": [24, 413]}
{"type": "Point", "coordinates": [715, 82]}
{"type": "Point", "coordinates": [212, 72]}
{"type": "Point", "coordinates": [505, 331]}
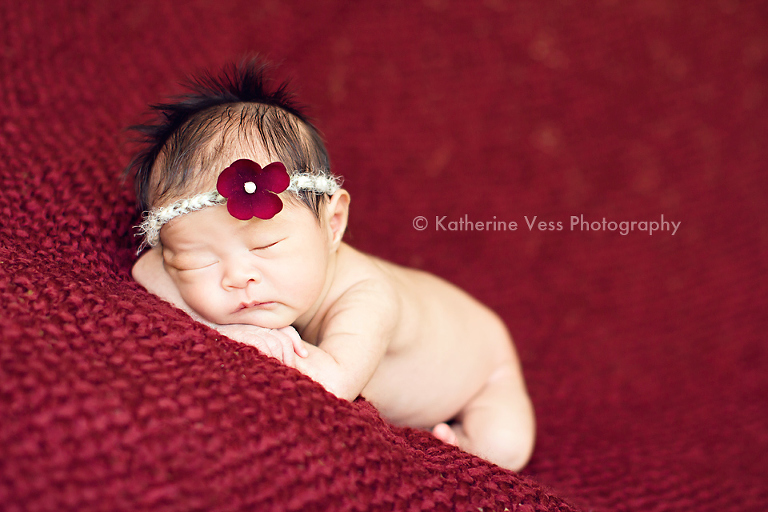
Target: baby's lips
{"type": "Point", "coordinates": [255, 304]}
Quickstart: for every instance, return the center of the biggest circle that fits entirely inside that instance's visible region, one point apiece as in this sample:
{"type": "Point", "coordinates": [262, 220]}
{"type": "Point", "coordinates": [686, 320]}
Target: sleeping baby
{"type": "Point", "coordinates": [245, 224]}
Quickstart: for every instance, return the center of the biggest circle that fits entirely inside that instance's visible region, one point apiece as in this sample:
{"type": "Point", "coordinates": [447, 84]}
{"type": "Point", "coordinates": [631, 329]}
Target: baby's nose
{"type": "Point", "coordinates": [239, 273]}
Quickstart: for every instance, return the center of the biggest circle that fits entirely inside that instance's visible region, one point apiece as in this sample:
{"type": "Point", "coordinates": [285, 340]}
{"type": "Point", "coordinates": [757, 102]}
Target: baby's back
{"type": "Point", "coordinates": [445, 345]}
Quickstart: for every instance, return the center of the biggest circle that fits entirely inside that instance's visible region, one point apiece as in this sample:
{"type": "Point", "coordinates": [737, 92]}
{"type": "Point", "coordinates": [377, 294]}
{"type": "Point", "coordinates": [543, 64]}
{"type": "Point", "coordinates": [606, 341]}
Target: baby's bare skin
{"type": "Point", "coordinates": [270, 269]}
{"type": "Point", "coordinates": [443, 347]}
{"type": "Point", "coordinates": [448, 357]}
{"type": "Point", "coordinates": [420, 349]}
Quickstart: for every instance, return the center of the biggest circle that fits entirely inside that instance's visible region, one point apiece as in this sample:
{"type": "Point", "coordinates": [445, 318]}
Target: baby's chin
{"type": "Point", "coordinates": [263, 319]}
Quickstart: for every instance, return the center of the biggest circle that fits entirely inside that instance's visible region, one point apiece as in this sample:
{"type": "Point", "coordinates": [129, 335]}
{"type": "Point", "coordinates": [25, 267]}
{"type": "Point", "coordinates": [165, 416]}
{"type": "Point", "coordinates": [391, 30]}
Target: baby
{"type": "Point", "coordinates": [245, 223]}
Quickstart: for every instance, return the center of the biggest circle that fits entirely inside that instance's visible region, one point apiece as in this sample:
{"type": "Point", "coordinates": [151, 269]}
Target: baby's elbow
{"type": "Point", "coordinates": [331, 377]}
{"type": "Point", "coordinates": [332, 374]}
{"type": "Point", "coordinates": [342, 388]}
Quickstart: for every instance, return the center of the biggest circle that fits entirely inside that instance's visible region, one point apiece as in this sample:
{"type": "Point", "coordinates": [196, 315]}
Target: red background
{"type": "Point", "coordinates": [645, 355]}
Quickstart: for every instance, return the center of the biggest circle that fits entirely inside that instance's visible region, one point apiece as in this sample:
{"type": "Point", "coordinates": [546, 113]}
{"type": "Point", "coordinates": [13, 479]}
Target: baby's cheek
{"type": "Point", "coordinates": [201, 298]}
{"type": "Point", "coordinates": [306, 285]}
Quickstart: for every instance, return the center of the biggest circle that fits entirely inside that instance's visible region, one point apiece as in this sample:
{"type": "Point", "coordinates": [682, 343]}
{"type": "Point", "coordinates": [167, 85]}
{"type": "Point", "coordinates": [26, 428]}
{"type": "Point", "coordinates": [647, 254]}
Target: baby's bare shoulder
{"type": "Point", "coordinates": [438, 305]}
{"type": "Point", "coordinates": [421, 303]}
{"type": "Point", "coordinates": [369, 292]}
{"type": "Point", "coordinates": [365, 291]}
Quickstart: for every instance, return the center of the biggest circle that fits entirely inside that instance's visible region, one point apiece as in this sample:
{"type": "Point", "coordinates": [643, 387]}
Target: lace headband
{"type": "Point", "coordinates": [247, 190]}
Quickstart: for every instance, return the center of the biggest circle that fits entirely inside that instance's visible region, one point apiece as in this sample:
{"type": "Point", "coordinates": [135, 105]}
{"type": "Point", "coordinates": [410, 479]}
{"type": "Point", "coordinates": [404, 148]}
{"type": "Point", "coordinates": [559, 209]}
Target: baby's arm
{"type": "Point", "coordinates": [283, 344]}
{"type": "Point", "coordinates": [354, 338]}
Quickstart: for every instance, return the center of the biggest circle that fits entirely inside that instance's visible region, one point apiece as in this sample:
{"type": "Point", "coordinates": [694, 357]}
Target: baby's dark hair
{"type": "Point", "coordinates": [194, 134]}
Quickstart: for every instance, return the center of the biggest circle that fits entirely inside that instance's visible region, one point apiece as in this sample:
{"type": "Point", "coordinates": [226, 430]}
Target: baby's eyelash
{"type": "Point", "coordinates": [196, 268]}
{"type": "Point", "coordinates": [265, 246]}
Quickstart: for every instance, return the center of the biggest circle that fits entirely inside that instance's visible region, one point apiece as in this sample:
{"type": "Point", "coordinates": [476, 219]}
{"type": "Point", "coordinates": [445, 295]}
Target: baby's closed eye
{"type": "Point", "coordinates": [261, 246]}
{"type": "Point", "coordinates": [189, 263]}
{"type": "Point", "coordinates": [185, 259]}
{"type": "Point", "coordinates": [188, 268]}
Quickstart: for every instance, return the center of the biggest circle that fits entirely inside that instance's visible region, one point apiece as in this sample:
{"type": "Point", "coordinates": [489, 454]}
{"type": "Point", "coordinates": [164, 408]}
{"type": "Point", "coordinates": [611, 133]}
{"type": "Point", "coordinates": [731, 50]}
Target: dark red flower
{"type": "Point", "coordinates": [252, 191]}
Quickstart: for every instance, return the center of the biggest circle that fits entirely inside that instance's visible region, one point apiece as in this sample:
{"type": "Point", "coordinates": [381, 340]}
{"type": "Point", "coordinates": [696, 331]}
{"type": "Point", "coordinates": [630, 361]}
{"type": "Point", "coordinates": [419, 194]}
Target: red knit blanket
{"type": "Point", "coordinates": [644, 352]}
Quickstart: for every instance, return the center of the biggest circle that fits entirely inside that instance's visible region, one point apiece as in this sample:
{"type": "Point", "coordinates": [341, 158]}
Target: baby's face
{"type": "Point", "coordinates": [271, 273]}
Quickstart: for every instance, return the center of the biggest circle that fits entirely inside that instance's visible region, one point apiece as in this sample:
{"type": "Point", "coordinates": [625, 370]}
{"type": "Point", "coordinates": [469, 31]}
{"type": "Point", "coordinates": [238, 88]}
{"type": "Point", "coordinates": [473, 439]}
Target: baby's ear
{"type": "Point", "coordinates": [336, 216]}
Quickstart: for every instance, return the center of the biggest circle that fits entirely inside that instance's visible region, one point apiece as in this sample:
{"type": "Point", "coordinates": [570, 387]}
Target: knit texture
{"type": "Point", "coordinates": [644, 354]}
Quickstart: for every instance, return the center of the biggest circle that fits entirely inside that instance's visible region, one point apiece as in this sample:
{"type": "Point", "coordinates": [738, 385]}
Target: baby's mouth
{"type": "Point", "coordinates": [256, 305]}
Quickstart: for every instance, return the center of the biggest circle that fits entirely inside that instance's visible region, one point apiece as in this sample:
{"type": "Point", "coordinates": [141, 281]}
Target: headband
{"type": "Point", "coordinates": [247, 190]}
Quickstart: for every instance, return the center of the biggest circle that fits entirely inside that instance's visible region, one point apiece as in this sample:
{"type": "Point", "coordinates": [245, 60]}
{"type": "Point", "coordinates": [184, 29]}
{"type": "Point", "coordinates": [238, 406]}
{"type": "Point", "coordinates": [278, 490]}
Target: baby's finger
{"type": "Point", "coordinates": [273, 347]}
{"type": "Point", "coordinates": [289, 358]}
{"type": "Point", "coordinates": [286, 348]}
{"type": "Point", "coordinates": [298, 343]}
{"type": "Point", "coordinates": [300, 348]}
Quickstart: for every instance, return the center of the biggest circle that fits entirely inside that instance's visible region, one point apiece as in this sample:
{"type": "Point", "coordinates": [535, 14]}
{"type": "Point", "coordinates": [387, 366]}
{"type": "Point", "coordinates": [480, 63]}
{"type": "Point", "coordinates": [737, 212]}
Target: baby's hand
{"type": "Point", "coordinates": [282, 344]}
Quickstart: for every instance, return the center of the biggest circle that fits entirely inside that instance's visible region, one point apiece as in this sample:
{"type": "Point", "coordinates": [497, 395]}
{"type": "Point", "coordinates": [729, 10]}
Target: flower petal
{"type": "Point", "coordinates": [232, 179]}
{"type": "Point", "coordinates": [261, 203]}
{"type": "Point", "coordinates": [266, 205]}
{"type": "Point", "coordinates": [273, 177]}
{"type": "Point", "coordinates": [240, 205]}
{"type": "Point", "coordinates": [227, 182]}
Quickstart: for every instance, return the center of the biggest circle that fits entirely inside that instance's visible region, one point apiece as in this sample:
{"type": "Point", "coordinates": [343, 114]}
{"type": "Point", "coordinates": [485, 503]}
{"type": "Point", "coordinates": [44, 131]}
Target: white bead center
{"type": "Point", "coordinates": [250, 187]}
